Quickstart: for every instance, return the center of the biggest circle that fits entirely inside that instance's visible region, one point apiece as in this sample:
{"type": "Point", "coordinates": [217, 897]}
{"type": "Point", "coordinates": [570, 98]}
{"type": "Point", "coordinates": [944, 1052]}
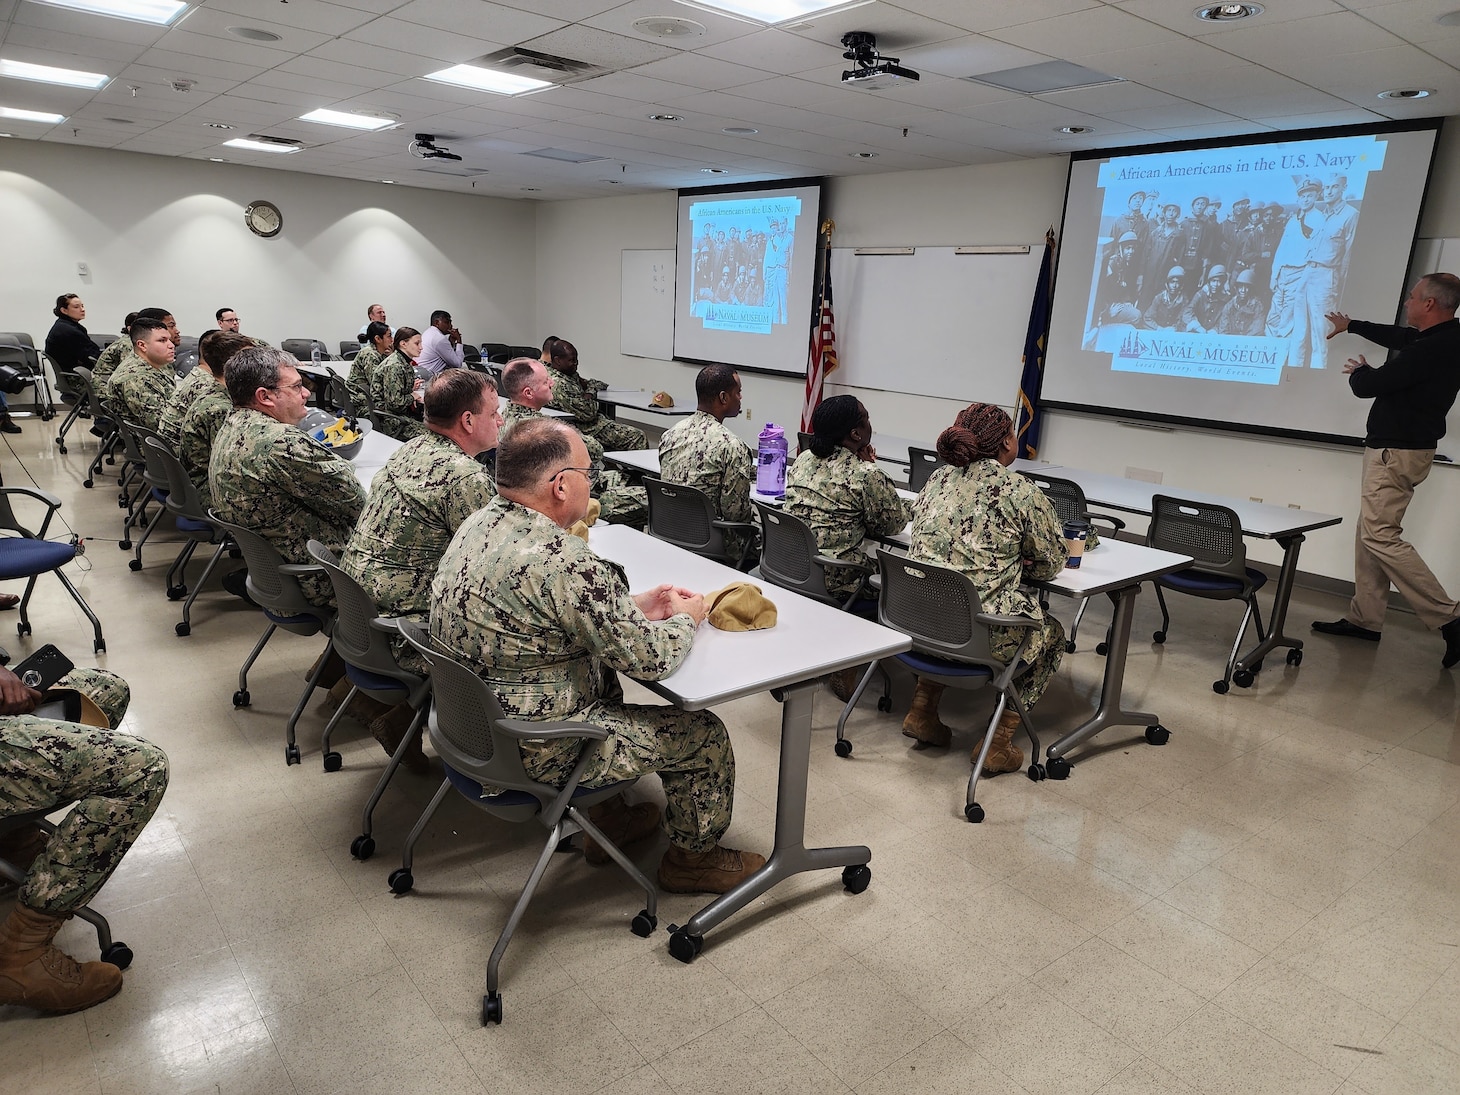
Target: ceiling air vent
{"type": "Point", "coordinates": [541, 66]}
{"type": "Point", "coordinates": [461, 171]}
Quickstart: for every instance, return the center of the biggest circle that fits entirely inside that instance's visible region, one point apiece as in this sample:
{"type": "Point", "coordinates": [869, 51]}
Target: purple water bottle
{"type": "Point", "coordinates": [770, 472]}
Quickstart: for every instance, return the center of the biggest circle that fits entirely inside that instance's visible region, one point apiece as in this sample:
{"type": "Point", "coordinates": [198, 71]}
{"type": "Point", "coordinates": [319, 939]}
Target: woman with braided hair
{"type": "Point", "coordinates": [997, 527]}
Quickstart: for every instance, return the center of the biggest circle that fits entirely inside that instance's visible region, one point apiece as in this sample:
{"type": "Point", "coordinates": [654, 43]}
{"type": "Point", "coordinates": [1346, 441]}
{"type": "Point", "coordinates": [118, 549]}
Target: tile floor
{"type": "Point", "coordinates": [1270, 903]}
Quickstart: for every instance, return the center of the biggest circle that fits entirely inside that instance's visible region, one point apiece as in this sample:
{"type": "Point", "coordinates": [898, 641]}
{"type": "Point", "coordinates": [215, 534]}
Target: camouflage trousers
{"type": "Point", "coordinates": [689, 750]}
{"type": "Point", "coordinates": [621, 503]}
{"type": "Point", "coordinates": [1042, 655]}
{"type": "Point", "coordinates": [398, 426]}
{"type": "Point", "coordinates": [115, 779]}
{"type": "Point", "coordinates": [613, 435]}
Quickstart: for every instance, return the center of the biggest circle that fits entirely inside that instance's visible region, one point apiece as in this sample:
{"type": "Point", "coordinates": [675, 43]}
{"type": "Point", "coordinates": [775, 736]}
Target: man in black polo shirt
{"type": "Point", "coordinates": [1412, 394]}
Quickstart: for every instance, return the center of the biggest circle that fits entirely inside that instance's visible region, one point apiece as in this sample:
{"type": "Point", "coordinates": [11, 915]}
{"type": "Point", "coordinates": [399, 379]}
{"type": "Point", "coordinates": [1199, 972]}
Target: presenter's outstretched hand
{"type": "Point", "coordinates": [1339, 321]}
{"type": "Point", "coordinates": [1355, 363]}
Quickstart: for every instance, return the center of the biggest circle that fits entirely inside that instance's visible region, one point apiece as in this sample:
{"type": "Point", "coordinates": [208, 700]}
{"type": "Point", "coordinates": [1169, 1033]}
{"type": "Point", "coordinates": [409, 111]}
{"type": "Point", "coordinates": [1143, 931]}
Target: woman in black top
{"type": "Point", "coordinates": [68, 344]}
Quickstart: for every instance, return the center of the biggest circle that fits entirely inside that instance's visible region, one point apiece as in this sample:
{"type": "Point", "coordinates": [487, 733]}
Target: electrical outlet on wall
{"type": "Point", "coordinates": [83, 270]}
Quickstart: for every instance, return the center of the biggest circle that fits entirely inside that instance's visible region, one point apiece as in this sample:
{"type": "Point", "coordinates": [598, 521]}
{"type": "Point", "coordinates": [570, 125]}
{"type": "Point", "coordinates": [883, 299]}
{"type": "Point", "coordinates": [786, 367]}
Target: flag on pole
{"type": "Point", "coordinates": [823, 338]}
{"type": "Point", "coordinates": [1027, 420]}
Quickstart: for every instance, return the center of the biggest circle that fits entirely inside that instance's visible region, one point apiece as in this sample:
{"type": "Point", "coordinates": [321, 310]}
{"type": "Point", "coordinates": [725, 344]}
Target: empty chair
{"type": "Point", "coordinates": [29, 554]}
{"type": "Point", "coordinates": [470, 355]}
{"type": "Point", "coordinates": [478, 746]}
{"type": "Point", "coordinates": [1068, 499]}
{"type": "Point", "coordinates": [921, 464]}
{"type": "Point", "coordinates": [304, 349]}
{"type": "Point", "coordinates": [683, 516]}
{"type": "Point", "coordinates": [192, 519]}
{"type": "Point", "coordinates": [1212, 535]}
{"type": "Point", "coordinates": [349, 347]}
{"type": "Point", "coordinates": [18, 351]}
{"type": "Point", "coordinates": [526, 351]}
{"type": "Point", "coordinates": [274, 586]}
{"type": "Point", "coordinates": [77, 385]}
{"type": "Point", "coordinates": [490, 348]}
{"type": "Point", "coordinates": [939, 609]}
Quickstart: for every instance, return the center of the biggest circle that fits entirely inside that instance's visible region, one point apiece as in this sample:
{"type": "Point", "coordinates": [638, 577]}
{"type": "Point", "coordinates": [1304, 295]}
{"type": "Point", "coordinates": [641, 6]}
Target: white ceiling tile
{"type": "Point", "coordinates": [774, 51]}
{"type": "Point", "coordinates": [394, 34]}
{"type": "Point", "coordinates": [192, 65]}
{"type": "Point", "coordinates": [1305, 100]}
{"type": "Point", "coordinates": [700, 71]}
{"type": "Point", "coordinates": [206, 20]}
{"type": "Point", "coordinates": [1278, 45]}
{"type": "Point", "coordinates": [599, 47]}
{"type": "Point", "coordinates": [83, 25]}
{"type": "Point", "coordinates": [982, 15]}
{"type": "Point", "coordinates": [1152, 64]}
{"type": "Point", "coordinates": [316, 15]}
{"type": "Point", "coordinates": [971, 56]}
{"type": "Point", "coordinates": [1447, 51]}
{"type": "Point", "coordinates": [1351, 116]}
{"type": "Point", "coordinates": [639, 89]}
{"type": "Point", "coordinates": [91, 49]}
{"type": "Point", "coordinates": [569, 11]}
{"type": "Point", "coordinates": [896, 28]}
{"type": "Point", "coordinates": [491, 22]}
{"type": "Point", "coordinates": [1414, 20]}
{"type": "Point", "coordinates": [782, 91]}
{"type": "Point", "coordinates": [1106, 98]}
{"type": "Point", "coordinates": [223, 49]}
{"type": "Point", "coordinates": [1181, 17]}
{"type": "Point", "coordinates": [1093, 30]}
{"type": "Point", "coordinates": [1178, 116]}
{"type": "Point", "coordinates": [384, 61]}
{"type": "Point", "coordinates": [161, 79]}
{"type": "Point", "coordinates": [718, 28]}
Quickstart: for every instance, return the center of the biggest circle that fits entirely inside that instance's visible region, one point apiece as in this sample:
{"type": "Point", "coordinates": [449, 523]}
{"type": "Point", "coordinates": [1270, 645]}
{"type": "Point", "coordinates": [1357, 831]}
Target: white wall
{"type": "Point", "coordinates": [169, 232]}
{"type": "Point", "coordinates": [578, 270]}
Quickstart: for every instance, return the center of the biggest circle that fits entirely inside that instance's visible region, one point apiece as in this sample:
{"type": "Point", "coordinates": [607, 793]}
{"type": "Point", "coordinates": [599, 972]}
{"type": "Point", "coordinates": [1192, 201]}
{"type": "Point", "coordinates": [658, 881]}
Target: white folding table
{"type": "Point", "coordinates": [638, 400]}
{"type": "Point", "coordinates": [374, 451]}
{"type": "Point", "coordinates": [809, 640]}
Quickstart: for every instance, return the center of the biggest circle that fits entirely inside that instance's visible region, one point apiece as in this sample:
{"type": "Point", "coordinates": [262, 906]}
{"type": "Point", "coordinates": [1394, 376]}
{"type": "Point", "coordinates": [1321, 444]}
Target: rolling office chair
{"type": "Point", "coordinates": [921, 464]}
{"type": "Point", "coordinates": [1212, 535]}
{"type": "Point", "coordinates": [478, 745]}
{"type": "Point", "coordinates": [77, 385]}
{"type": "Point", "coordinates": [29, 555]}
{"type": "Point", "coordinates": [683, 516]}
{"type": "Point", "coordinates": [192, 518]}
{"type": "Point", "coordinates": [1068, 500]}
{"type": "Point", "coordinates": [18, 349]}
{"type": "Point", "coordinates": [303, 349]}
{"type": "Point", "coordinates": [938, 608]}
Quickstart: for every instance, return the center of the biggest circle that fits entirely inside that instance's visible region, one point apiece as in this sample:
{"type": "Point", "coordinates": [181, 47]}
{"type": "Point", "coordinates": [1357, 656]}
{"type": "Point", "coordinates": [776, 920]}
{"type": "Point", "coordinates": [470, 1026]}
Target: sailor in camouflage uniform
{"type": "Point", "coordinates": [116, 781]}
{"type": "Point", "coordinates": [379, 343]}
{"type": "Point", "coordinates": [700, 452]}
{"type": "Point", "coordinates": [837, 488]}
{"type": "Point", "coordinates": [214, 350]}
{"type": "Point", "coordinates": [578, 396]}
{"type": "Point", "coordinates": [141, 387]}
{"type": "Point", "coordinates": [273, 478]}
{"type": "Point", "coordinates": [393, 388]}
{"type": "Point", "coordinates": [111, 358]}
{"type": "Point", "coordinates": [528, 384]}
{"type": "Point", "coordinates": [547, 624]}
{"type": "Point", "coordinates": [996, 526]}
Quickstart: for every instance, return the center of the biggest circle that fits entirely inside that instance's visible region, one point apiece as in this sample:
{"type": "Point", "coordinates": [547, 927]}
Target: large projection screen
{"type": "Point", "coordinates": [1193, 279]}
{"type": "Point", "coordinates": [743, 276]}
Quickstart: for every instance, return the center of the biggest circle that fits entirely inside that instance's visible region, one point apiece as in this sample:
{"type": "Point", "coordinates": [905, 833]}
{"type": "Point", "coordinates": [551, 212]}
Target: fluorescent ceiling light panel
{"type": "Point", "coordinates": [45, 74]}
{"type": "Point", "coordinates": [486, 79]}
{"type": "Point", "coordinates": [349, 121]}
{"type": "Point", "coordinates": [159, 12]}
{"type": "Point", "coordinates": [30, 115]}
{"type": "Point", "coordinates": [261, 146]}
{"type": "Point", "coordinates": [772, 11]}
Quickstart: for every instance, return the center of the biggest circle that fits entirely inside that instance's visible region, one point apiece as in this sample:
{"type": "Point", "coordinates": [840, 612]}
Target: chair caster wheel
{"type": "Point", "coordinates": [401, 880]}
{"type": "Point", "coordinates": [974, 812]}
{"type": "Point", "coordinates": [241, 698]}
{"type": "Point", "coordinates": [843, 747]}
{"type": "Point", "coordinates": [884, 704]}
{"type": "Point", "coordinates": [492, 1008]}
{"type": "Point", "coordinates": [856, 877]}
{"type": "Point", "coordinates": [291, 754]}
{"type": "Point", "coordinates": [685, 947]}
{"type": "Point", "coordinates": [1057, 768]}
{"type": "Point", "coordinates": [118, 954]}
{"type": "Point", "coordinates": [134, 564]}
{"type": "Point", "coordinates": [1036, 772]}
{"type": "Point", "coordinates": [1220, 687]}
{"type": "Point", "coordinates": [22, 629]}
{"type": "Point", "coordinates": [1243, 678]}
{"type": "Point", "coordinates": [176, 593]}
{"type": "Point", "coordinates": [644, 924]}
{"type": "Point", "coordinates": [1158, 637]}
{"type": "Point", "coordinates": [88, 484]}
{"type": "Point", "coordinates": [1158, 734]}
{"type": "Point", "coordinates": [362, 847]}
{"type": "Point", "coordinates": [63, 450]}
{"type": "Point", "coordinates": [1069, 648]}
{"type": "Point", "coordinates": [183, 630]}
{"type": "Point", "coordinates": [1295, 657]}
{"type": "Point", "coordinates": [333, 762]}
{"type": "Point", "coordinates": [124, 545]}
{"type": "Point", "coordinates": [121, 503]}
{"type": "Point", "coordinates": [1102, 649]}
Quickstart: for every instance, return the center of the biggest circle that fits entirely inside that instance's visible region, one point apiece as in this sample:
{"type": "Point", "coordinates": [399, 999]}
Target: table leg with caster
{"type": "Point", "coordinates": [1251, 662]}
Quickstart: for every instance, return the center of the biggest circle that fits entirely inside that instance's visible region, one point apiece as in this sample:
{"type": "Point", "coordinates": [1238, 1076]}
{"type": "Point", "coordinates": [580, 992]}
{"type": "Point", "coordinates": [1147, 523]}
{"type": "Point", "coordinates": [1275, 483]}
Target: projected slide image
{"type": "Point", "coordinates": [742, 254]}
{"type": "Point", "coordinates": [1220, 263]}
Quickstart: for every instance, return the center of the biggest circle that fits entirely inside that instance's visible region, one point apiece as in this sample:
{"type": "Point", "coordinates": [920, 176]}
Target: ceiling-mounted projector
{"type": "Point", "coordinates": [424, 147]}
{"type": "Point", "coordinates": [872, 71]}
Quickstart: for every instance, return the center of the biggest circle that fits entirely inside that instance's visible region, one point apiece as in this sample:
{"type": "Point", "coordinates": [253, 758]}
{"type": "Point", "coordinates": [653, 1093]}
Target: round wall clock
{"type": "Point", "coordinates": [263, 219]}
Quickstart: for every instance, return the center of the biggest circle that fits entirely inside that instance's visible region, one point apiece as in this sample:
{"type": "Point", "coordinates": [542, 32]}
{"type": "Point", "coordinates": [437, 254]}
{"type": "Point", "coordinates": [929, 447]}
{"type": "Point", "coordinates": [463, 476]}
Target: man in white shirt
{"type": "Point", "coordinates": [440, 345]}
{"type": "Point", "coordinates": [374, 314]}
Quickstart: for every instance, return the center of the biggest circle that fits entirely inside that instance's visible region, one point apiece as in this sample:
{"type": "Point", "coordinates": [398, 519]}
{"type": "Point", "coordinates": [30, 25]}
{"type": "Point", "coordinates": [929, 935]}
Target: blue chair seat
{"type": "Point", "coordinates": [302, 619]}
{"type": "Point", "coordinates": [1197, 584]}
{"type": "Point", "coordinates": [159, 494]}
{"type": "Point", "coordinates": [942, 667]}
{"type": "Point", "coordinates": [373, 682]}
{"type": "Point", "coordinates": [473, 790]}
{"type": "Point", "coordinates": [187, 524]}
{"type": "Point", "coordinates": [21, 558]}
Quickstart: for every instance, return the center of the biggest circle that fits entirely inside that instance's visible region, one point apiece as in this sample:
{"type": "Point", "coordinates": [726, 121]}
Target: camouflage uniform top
{"type": "Point", "coordinates": [196, 433]}
{"type": "Point", "coordinates": [138, 392]}
{"type": "Point", "coordinates": [417, 501]}
{"type": "Point", "coordinates": [844, 500]}
{"type": "Point", "coordinates": [393, 385]}
{"type": "Point", "coordinates": [362, 372]}
{"type": "Point", "coordinates": [542, 617]}
{"type": "Point", "coordinates": [279, 482]}
{"type": "Point", "coordinates": [700, 452]}
{"type": "Point", "coordinates": [109, 360]}
{"type": "Point", "coordinates": [985, 520]}
{"type": "Point", "coordinates": [188, 391]}
{"type": "Point", "coordinates": [575, 395]}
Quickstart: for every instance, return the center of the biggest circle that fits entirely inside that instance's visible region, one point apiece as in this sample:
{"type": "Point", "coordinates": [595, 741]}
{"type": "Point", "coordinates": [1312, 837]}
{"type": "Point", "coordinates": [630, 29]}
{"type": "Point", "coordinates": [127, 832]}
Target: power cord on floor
{"type": "Point", "coordinates": [76, 539]}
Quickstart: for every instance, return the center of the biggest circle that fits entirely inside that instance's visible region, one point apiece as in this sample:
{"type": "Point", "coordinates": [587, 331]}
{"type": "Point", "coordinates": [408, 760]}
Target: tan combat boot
{"type": "Point", "coordinates": [35, 974]}
{"type": "Point", "coordinates": [1004, 755]}
{"type": "Point", "coordinates": [922, 717]}
{"type": "Point", "coordinates": [844, 681]}
{"type": "Point", "coordinates": [621, 823]}
{"type": "Point", "coordinates": [715, 871]}
{"type": "Point", "coordinates": [391, 727]}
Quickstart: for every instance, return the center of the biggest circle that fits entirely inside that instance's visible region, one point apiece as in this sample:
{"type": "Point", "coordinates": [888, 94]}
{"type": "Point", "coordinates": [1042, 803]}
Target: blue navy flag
{"type": "Point", "coordinates": [1027, 420]}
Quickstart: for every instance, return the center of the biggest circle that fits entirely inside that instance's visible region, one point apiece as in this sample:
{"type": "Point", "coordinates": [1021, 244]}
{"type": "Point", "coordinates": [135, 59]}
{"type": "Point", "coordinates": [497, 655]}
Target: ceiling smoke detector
{"type": "Point", "coordinates": [871, 70]}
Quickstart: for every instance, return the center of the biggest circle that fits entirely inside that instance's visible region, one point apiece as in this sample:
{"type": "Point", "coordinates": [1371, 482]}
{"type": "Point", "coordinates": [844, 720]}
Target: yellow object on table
{"type": "Point", "coordinates": [740, 606]}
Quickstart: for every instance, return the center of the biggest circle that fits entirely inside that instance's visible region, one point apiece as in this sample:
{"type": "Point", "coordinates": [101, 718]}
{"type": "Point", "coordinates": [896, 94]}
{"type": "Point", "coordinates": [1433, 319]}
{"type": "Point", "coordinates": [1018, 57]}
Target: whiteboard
{"type": "Point", "coordinates": [646, 304]}
{"type": "Point", "coordinates": [935, 322]}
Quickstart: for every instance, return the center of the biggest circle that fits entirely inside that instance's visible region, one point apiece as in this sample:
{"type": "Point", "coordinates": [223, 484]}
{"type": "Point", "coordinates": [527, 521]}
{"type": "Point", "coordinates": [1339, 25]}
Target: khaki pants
{"type": "Point", "coordinates": [1381, 555]}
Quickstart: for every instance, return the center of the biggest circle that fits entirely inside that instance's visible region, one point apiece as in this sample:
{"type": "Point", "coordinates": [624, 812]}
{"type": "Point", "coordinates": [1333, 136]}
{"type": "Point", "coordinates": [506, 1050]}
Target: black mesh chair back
{"type": "Point", "coordinates": [791, 559]}
{"type": "Point", "coordinates": [349, 347]}
{"type": "Point", "coordinates": [303, 348]}
{"type": "Point", "coordinates": [921, 464]}
{"type": "Point", "coordinates": [803, 441]}
{"type": "Point", "coordinates": [470, 355]}
{"type": "Point", "coordinates": [683, 517]}
{"type": "Point", "coordinates": [1210, 534]}
{"type": "Point", "coordinates": [361, 636]}
{"type": "Point", "coordinates": [337, 396]}
{"type": "Point", "coordinates": [526, 351]}
{"type": "Point", "coordinates": [934, 606]}
{"type": "Point", "coordinates": [489, 349]}
{"type": "Point", "coordinates": [1064, 495]}
{"type": "Point", "coordinates": [464, 711]}
{"type": "Point", "coordinates": [500, 357]}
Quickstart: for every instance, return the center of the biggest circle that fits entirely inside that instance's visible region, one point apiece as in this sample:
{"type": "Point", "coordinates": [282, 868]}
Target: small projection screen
{"type": "Point", "coordinates": [743, 275]}
{"type": "Point", "coordinates": [1193, 279]}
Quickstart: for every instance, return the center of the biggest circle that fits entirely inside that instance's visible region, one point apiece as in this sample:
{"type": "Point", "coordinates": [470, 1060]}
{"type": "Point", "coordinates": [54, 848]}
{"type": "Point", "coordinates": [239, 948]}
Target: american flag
{"type": "Point", "coordinates": [823, 346]}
